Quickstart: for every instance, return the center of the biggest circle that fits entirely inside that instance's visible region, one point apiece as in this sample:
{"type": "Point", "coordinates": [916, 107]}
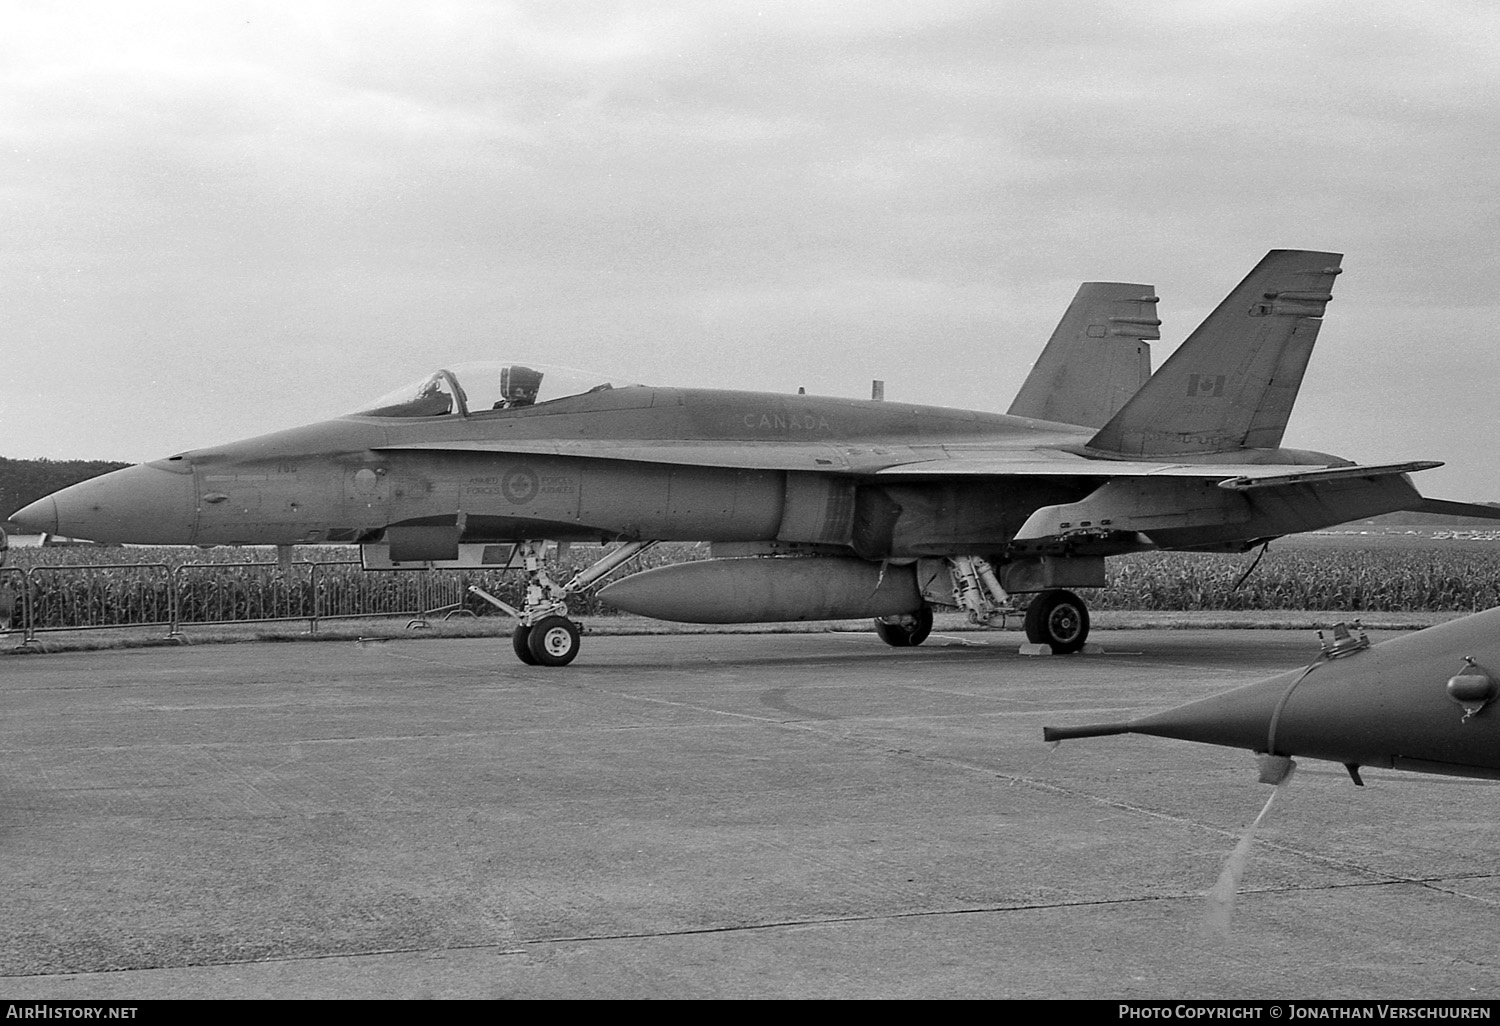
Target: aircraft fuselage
{"type": "Point", "coordinates": [348, 479]}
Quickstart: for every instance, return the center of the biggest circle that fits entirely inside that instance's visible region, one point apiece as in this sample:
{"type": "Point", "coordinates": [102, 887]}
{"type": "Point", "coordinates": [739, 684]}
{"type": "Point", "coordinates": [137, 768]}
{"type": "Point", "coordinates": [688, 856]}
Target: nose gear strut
{"type": "Point", "coordinates": [544, 634]}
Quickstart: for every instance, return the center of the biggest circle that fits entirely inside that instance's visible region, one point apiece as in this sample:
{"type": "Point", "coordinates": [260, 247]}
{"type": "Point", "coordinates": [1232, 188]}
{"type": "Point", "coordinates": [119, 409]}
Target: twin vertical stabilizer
{"type": "Point", "coordinates": [1232, 384]}
{"type": "Point", "coordinates": [1099, 356]}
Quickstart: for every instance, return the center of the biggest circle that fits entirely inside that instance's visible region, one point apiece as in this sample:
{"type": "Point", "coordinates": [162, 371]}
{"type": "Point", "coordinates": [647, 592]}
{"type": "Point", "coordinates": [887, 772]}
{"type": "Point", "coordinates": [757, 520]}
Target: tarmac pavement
{"type": "Point", "coordinates": [809, 815]}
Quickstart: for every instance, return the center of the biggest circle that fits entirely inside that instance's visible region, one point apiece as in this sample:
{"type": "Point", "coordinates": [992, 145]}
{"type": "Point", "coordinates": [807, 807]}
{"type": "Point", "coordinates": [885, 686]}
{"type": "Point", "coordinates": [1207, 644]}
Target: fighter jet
{"type": "Point", "coordinates": [816, 507]}
{"type": "Point", "coordinates": [1419, 702]}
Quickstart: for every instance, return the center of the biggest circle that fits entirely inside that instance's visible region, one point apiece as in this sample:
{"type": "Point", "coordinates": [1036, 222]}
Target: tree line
{"type": "Point", "coordinates": [22, 482]}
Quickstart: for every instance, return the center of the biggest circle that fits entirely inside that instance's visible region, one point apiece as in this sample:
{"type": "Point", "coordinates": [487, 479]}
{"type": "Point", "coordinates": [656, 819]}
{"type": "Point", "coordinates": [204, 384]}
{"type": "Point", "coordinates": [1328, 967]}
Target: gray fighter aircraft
{"type": "Point", "coordinates": [817, 507]}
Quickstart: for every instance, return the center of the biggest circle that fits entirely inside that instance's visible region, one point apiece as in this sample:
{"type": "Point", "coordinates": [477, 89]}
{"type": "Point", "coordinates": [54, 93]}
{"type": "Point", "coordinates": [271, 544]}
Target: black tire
{"type": "Point", "coordinates": [554, 641]}
{"type": "Point", "coordinates": [520, 640]}
{"type": "Point", "coordinates": [1058, 618]}
{"type": "Point", "coordinates": [905, 631]}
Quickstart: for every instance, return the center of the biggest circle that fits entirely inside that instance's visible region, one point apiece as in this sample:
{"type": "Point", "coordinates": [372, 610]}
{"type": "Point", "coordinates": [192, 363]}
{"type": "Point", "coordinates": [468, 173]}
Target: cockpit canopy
{"type": "Point", "coordinates": [465, 389]}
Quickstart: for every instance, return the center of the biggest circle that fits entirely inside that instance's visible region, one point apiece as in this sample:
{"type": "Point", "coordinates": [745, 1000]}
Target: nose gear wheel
{"type": "Point", "coordinates": [553, 641]}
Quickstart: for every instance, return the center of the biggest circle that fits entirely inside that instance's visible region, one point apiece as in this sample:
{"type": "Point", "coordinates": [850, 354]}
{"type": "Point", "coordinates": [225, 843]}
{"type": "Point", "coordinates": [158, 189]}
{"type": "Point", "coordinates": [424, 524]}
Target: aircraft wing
{"type": "Point", "coordinates": [917, 461]}
{"type": "Point", "coordinates": [1130, 496]}
{"type": "Point", "coordinates": [907, 461]}
{"type": "Point", "coordinates": [1236, 477]}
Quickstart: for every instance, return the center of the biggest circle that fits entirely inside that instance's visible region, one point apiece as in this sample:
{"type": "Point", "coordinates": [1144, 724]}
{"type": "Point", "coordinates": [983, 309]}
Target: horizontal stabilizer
{"type": "Point", "coordinates": [1449, 508]}
{"type": "Point", "coordinates": [1245, 484]}
{"type": "Point", "coordinates": [1183, 512]}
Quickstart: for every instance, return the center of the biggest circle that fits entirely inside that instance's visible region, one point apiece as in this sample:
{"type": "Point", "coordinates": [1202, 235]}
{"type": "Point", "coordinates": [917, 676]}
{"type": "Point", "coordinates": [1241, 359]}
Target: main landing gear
{"type": "Point", "coordinates": [1056, 618]}
{"type": "Point", "coordinates": [544, 635]}
{"type": "Point", "coordinates": [905, 631]}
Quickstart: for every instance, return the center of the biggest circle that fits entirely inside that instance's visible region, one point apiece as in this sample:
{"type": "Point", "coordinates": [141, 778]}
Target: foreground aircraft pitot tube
{"type": "Point", "coordinates": [816, 507]}
{"type": "Point", "coordinates": [1419, 702]}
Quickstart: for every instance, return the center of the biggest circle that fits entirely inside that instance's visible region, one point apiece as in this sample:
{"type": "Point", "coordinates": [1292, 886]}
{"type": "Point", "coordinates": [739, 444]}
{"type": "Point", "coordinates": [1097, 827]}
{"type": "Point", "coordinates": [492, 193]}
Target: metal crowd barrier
{"type": "Point", "coordinates": [419, 595]}
{"type": "Point", "coordinates": [220, 593]}
{"type": "Point", "coordinates": [15, 601]}
{"type": "Point", "coordinates": [99, 596]}
{"type": "Point", "coordinates": [95, 596]}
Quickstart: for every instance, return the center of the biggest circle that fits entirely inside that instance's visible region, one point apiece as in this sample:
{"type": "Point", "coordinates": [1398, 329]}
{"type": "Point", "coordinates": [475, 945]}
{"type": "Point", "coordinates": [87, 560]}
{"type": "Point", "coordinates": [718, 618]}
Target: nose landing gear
{"type": "Point", "coordinates": [544, 636]}
{"type": "Point", "coordinates": [553, 641]}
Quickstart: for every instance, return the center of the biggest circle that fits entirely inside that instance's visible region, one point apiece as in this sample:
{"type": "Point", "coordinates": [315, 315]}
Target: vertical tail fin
{"type": "Point", "coordinates": [1096, 359]}
{"type": "Point", "coordinates": [1232, 384]}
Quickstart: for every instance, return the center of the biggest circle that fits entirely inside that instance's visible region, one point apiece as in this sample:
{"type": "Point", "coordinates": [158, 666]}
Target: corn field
{"type": "Point", "coordinates": [1385, 579]}
{"type": "Point", "coordinates": [71, 588]}
{"type": "Point", "coordinates": [95, 587]}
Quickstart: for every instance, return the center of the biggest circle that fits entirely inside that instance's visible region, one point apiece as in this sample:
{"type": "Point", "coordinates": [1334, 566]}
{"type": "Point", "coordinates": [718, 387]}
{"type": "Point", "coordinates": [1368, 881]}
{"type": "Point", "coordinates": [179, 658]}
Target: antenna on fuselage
{"type": "Point", "coordinates": [877, 390]}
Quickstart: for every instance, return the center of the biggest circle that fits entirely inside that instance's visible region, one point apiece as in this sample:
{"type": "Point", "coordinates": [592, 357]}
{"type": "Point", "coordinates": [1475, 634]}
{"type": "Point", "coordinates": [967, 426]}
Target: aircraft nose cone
{"type": "Point", "coordinates": [38, 518]}
{"type": "Point", "coordinates": [142, 505]}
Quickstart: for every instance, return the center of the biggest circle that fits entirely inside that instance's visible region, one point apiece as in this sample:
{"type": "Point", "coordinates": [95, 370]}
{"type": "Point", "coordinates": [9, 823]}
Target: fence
{"type": "Point", "coordinates": [355, 592]}
{"type": "Point", "coordinates": [103, 595]}
{"type": "Point", "coordinates": [218, 593]}
{"type": "Point", "coordinates": [98, 596]}
{"type": "Point", "coordinates": [1385, 574]}
{"type": "Point", "coordinates": [15, 599]}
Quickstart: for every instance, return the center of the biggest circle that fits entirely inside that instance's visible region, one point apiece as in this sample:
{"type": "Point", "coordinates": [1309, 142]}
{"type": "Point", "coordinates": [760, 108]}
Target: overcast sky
{"type": "Point", "coordinates": [221, 219]}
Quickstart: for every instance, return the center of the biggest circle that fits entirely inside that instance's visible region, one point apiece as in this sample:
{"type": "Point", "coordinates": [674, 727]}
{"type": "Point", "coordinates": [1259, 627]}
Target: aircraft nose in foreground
{"type": "Point", "coordinates": [144, 504]}
{"type": "Point", "coordinates": [1419, 702]}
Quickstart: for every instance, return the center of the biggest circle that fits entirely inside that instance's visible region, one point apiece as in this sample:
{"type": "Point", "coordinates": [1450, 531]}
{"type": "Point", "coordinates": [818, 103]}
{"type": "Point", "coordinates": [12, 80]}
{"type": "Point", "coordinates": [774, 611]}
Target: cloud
{"type": "Point", "coordinates": [286, 209]}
